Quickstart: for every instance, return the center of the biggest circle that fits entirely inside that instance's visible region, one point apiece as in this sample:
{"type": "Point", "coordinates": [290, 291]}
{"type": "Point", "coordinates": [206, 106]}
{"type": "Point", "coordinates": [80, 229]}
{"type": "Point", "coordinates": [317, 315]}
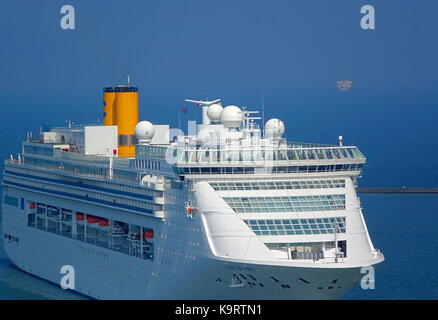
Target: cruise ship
{"type": "Point", "coordinates": [228, 210]}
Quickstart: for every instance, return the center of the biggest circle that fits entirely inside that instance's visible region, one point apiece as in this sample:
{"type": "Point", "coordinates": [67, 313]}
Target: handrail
{"type": "Point", "coordinates": [263, 154]}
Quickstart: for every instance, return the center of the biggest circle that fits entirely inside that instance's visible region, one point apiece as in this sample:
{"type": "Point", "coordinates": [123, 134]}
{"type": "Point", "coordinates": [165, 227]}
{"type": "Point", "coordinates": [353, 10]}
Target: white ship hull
{"type": "Point", "coordinates": [195, 281]}
{"type": "Point", "coordinates": [104, 274]}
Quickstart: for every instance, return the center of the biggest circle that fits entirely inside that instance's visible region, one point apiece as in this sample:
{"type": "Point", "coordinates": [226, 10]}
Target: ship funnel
{"type": "Point", "coordinates": [121, 109]}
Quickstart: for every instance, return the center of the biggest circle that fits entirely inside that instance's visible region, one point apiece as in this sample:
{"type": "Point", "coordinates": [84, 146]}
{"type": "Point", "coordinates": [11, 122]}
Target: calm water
{"type": "Point", "coordinates": [403, 227]}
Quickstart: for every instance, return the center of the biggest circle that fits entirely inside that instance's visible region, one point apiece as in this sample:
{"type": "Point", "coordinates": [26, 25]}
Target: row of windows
{"type": "Point", "coordinates": [10, 238]}
{"type": "Point", "coordinates": [39, 150]}
{"type": "Point", "coordinates": [301, 246]}
{"type": "Point", "coordinates": [12, 201]}
{"type": "Point", "coordinates": [118, 236]}
{"type": "Point", "coordinates": [137, 190]}
{"type": "Point", "coordinates": [55, 164]}
{"type": "Point", "coordinates": [144, 151]}
{"type": "Point", "coordinates": [309, 250]}
{"type": "Point", "coordinates": [125, 174]}
{"type": "Point", "coordinates": [268, 169]}
{"type": "Point", "coordinates": [147, 164]}
{"type": "Point", "coordinates": [86, 170]}
{"type": "Point", "coordinates": [88, 195]}
{"type": "Point", "coordinates": [278, 185]}
{"type": "Point", "coordinates": [298, 226]}
{"type": "Point", "coordinates": [125, 188]}
{"type": "Point", "coordinates": [262, 154]}
{"type": "Point", "coordinates": [175, 184]}
{"type": "Point", "coordinates": [287, 204]}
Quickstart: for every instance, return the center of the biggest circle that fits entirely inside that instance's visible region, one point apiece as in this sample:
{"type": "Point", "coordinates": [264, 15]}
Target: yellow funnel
{"type": "Point", "coordinates": [109, 97]}
{"type": "Point", "coordinates": [124, 115]}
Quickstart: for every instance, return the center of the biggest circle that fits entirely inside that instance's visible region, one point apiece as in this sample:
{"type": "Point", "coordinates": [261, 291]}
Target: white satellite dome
{"type": "Point", "coordinates": [232, 117]}
{"type": "Point", "coordinates": [214, 112]}
{"type": "Point", "coordinates": [274, 128]}
{"type": "Point", "coordinates": [144, 131]}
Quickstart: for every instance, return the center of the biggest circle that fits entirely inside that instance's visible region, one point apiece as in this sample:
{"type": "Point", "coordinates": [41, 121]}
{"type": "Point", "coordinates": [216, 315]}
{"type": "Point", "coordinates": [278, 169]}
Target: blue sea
{"type": "Point", "coordinates": [403, 227]}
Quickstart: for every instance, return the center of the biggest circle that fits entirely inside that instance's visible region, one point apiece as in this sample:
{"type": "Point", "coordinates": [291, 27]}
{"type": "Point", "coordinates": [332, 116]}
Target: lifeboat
{"type": "Point", "coordinates": [93, 220]}
{"type": "Point", "coordinates": [104, 223]}
{"type": "Point", "coordinates": [32, 205]}
{"type": "Point", "coordinates": [80, 216]}
{"type": "Point", "coordinates": [148, 234]}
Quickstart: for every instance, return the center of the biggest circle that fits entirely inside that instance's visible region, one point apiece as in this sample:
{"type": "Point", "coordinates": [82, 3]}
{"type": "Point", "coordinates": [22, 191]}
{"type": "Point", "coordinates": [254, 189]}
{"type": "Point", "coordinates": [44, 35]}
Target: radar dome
{"type": "Point", "coordinates": [274, 128]}
{"type": "Point", "coordinates": [144, 131]}
{"type": "Point", "coordinates": [232, 117]}
{"type": "Point", "coordinates": [214, 112]}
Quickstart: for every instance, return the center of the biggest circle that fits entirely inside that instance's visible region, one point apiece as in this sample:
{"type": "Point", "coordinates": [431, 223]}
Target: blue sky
{"type": "Point", "coordinates": [294, 51]}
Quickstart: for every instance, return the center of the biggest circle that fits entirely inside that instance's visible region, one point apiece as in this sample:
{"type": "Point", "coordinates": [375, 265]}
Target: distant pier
{"type": "Point", "coordinates": [397, 190]}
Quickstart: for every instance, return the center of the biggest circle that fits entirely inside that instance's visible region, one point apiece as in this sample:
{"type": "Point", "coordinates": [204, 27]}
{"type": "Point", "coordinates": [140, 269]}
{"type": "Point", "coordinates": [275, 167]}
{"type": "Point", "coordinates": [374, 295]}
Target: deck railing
{"type": "Point", "coordinates": [253, 155]}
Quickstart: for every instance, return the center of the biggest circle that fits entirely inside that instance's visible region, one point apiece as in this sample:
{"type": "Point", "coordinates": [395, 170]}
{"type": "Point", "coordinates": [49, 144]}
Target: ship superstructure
{"type": "Point", "coordinates": [228, 211]}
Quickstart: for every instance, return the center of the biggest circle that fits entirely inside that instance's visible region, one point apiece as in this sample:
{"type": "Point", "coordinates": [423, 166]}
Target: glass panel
{"type": "Point", "coordinates": [299, 226]}
{"type": "Point", "coordinates": [284, 204]}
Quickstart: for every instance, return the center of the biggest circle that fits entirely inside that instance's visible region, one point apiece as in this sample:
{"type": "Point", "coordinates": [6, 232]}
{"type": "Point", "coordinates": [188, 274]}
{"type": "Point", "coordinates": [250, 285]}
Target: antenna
{"type": "Point", "coordinates": [203, 103]}
{"type": "Point", "coordinates": [129, 79]}
{"type": "Point", "coordinates": [69, 122]}
{"type": "Point", "coordinates": [248, 119]}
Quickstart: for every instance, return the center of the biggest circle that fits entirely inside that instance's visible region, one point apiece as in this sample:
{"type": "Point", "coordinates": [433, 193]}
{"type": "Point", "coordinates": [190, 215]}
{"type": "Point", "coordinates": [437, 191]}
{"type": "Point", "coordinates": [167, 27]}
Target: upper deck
{"type": "Point", "coordinates": [291, 153]}
{"type": "Point", "coordinates": [227, 142]}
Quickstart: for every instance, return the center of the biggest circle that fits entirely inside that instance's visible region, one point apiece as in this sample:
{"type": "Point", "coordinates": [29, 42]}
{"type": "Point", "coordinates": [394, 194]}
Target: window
{"type": "Point", "coordinates": [39, 150]}
{"type": "Point", "coordinates": [12, 201]}
{"type": "Point", "coordinates": [278, 185]}
{"type": "Point", "coordinates": [297, 226]}
{"type": "Point", "coordinates": [275, 170]}
{"type": "Point", "coordinates": [118, 236]}
{"type": "Point", "coordinates": [287, 204]}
